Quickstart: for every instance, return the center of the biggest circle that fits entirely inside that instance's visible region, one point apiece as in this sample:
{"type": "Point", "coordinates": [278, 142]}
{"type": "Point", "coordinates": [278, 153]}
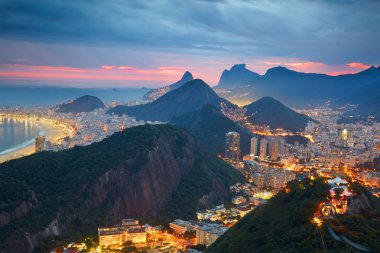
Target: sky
{"type": "Point", "coordinates": [117, 43]}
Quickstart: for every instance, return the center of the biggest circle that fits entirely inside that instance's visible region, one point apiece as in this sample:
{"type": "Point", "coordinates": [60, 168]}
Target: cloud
{"type": "Point", "coordinates": [245, 28]}
{"type": "Point", "coordinates": [357, 65]}
{"type": "Point", "coordinates": [106, 67]}
{"type": "Point", "coordinates": [202, 36]}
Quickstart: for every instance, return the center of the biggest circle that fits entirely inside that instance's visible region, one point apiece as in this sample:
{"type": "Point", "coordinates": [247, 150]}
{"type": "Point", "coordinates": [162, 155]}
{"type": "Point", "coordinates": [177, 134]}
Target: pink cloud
{"type": "Point", "coordinates": [107, 67]}
{"type": "Point", "coordinates": [357, 65]}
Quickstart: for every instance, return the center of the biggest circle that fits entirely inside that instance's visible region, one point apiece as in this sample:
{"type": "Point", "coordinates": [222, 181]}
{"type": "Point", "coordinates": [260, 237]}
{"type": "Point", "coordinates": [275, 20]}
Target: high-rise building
{"type": "Point", "coordinates": [254, 146]}
{"type": "Point", "coordinates": [274, 149]}
{"type": "Point", "coordinates": [39, 143]}
{"type": "Point", "coordinates": [232, 151]}
{"type": "Point", "coordinates": [263, 148]}
{"type": "Point", "coordinates": [282, 147]}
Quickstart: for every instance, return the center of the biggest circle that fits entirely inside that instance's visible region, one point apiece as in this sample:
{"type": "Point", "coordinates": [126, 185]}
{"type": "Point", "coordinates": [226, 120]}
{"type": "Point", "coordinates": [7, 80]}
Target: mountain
{"type": "Point", "coordinates": [209, 126]}
{"type": "Point", "coordinates": [156, 93]}
{"type": "Point", "coordinates": [295, 88]}
{"type": "Point", "coordinates": [268, 111]}
{"type": "Point", "coordinates": [367, 100]}
{"type": "Point", "coordinates": [83, 104]}
{"type": "Point", "coordinates": [284, 224]}
{"type": "Point", "coordinates": [191, 96]}
{"type": "Point", "coordinates": [237, 75]}
{"type": "Point", "coordinates": [151, 172]}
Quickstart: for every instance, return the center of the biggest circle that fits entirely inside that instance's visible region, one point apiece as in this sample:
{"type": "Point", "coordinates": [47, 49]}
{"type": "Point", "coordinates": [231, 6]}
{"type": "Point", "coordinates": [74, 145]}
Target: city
{"type": "Point", "coordinates": [225, 126]}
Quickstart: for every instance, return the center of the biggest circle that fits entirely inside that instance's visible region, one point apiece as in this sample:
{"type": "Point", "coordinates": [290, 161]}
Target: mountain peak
{"type": "Point", "coordinates": [86, 103]}
{"type": "Point", "coordinates": [187, 76]}
{"type": "Point", "coordinates": [269, 111]}
{"type": "Point", "coordinates": [279, 70]}
{"type": "Point", "coordinates": [196, 83]}
{"type": "Point", "coordinates": [238, 67]}
{"type": "Point", "coordinates": [238, 75]}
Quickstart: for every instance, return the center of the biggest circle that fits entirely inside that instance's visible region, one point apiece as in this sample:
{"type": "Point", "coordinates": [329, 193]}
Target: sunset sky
{"type": "Point", "coordinates": [151, 43]}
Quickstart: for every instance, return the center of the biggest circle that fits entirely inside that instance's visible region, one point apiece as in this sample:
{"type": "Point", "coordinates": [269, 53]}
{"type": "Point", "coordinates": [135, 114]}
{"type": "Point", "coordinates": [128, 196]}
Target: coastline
{"type": "Point", "coordinates": [52, 132]}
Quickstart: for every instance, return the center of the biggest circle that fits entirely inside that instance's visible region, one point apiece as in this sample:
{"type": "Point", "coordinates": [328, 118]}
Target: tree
{"type": "Point", "coordinates": [129, 247]}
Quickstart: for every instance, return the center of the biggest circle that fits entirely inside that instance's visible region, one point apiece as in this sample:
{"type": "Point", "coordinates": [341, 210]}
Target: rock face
{"type": "Point", "coordinates": [21, 210]}
{"type": "Point", "coordinates": [156, 93]}
{"type": "Point", "coordinates": [83, 104]}
{"type": "Point", "coordinates": [136, 173]}
{"type": "Point", "coordinates": [189, 97]}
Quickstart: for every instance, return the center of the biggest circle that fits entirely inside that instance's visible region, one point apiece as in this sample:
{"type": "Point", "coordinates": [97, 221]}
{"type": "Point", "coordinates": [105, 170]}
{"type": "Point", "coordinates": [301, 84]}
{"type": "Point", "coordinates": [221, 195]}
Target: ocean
{"type": "Point", "coordinates": [46, 96]}
{"type": "Point", "coordinates": [16, 134]}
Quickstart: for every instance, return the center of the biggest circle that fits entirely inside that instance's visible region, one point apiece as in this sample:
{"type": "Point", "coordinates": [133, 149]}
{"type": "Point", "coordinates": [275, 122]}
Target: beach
{"type": "Point", "coordinates": [52, 133]}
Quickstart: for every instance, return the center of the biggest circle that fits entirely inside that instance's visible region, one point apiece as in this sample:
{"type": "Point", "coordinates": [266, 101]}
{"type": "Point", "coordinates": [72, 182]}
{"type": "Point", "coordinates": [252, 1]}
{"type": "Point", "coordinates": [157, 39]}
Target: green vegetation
{"type": "Point", "coordinates": [63, 181]}
{"type": "Point", "coordinates": [57, 177]}
{"type": "Point", "coordinates": [282, 225]}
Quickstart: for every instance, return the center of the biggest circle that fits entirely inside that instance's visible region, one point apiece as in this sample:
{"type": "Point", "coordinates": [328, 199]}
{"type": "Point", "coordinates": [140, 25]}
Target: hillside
{"type": "Point", "coordinates": [294, 88]}
{"type": "Point", "coordinates": [189, 97]}
{"type": "Point", "coordinates": [146, 172]}
{"type": "Point", "coordinates": [284, 225]}
{"type": "Point", "coordinates": [83, 104]}
{"type": "Point", "coordinates": [156, 93]}
{"type": "Point", "coordinates": [210, 126]}
{"type": "Point", "coordinates": [268, 111]}
{"type": "Point", "coordinates": [368, 101]}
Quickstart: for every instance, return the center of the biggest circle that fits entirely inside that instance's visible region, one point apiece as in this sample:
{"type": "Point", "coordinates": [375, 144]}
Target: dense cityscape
{"type": "Point", "coordinates": [332, 151]}
{"type": "Point", "coordinates": [194, 126]}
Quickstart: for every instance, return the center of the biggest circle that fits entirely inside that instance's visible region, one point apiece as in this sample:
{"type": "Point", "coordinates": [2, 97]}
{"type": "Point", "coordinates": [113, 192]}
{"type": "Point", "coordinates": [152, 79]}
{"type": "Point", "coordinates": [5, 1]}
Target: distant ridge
{"type": "Point", "coordinates": [191, 96]}
{"type": "Point", "coordinates": [292, 87]}
{"type": "Point", "coordinates": [156, 93]}
{"type": "Point", "coordinates": [85, 103]}
{"type": "Point", "coordinates": [271, 112]}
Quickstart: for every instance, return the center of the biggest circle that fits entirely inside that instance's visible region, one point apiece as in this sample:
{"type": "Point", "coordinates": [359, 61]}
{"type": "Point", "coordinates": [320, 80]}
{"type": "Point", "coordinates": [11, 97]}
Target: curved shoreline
{"type": "Point", "coordinates": [51, 131]}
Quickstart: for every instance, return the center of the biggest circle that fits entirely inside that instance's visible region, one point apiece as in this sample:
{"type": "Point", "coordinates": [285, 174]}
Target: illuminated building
{"type": "Point", "coordinates": [39, 143]}
{"type": "Point", "coordinates": [181, 226]}
{"type": "Point", "coordinates": [238, 200]}
{"type": "Point", "coordinates": [232, 151]}
{"type": "Point", "coordinates": [208, 233]}
{"type": "Point", "coordinates": [263, 148]}
{"type": "Point", "coordinates": [254, 146]}
{"type": "Point", "coordinates": [259, 179]}
{"type": "Point", "coordinates": [130, 230]}
{"type": "Point", "coordinates": [274, 149]}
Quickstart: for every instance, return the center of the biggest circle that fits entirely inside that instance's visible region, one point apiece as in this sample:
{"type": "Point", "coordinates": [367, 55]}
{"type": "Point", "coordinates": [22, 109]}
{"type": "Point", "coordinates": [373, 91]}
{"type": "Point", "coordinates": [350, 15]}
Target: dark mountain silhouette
{"type": "Point", "coordinates": [296, 88]}
{"type": "Point", "coordinates": [367, 100]}
{"type": "Point", "coordinates": [269, 111]}
{"type": "Point", "coordinates": [83, 104]}
{"type": "Point", "coordinates": [237, 75]}
{"type": "Point", "coordinates": [151, 172]}
{"type": "Point", "coordinates": [156, 93]}
{"type": "Point", "coordinates": [209, 125]}
{"type": "Point", "coordinates": [191, 96]}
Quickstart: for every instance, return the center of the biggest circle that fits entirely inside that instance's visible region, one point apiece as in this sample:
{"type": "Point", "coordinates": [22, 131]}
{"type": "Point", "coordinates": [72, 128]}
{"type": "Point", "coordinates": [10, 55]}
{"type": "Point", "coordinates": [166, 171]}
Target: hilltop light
{"type": "Point", "coordinates": [317, 222]}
